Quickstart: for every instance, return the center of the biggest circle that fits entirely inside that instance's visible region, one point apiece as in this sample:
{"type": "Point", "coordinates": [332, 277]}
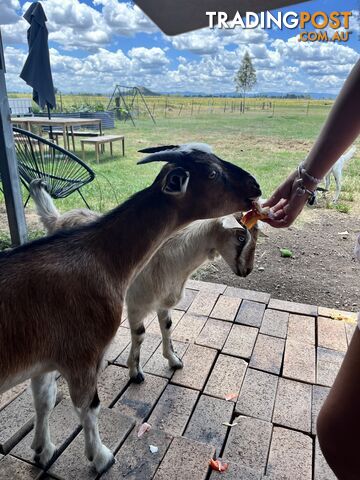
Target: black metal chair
{"type": "Point", "coordinates": [63, 172]}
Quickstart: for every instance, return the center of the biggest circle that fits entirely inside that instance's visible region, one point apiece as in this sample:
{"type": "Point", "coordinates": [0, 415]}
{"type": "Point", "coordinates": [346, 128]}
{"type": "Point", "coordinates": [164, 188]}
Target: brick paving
{"type": "Point", "coordinates": [277, 360]}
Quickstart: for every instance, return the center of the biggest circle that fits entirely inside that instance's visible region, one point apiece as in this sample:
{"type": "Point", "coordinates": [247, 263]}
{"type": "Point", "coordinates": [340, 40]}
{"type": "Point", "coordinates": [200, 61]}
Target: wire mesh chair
{"type": "Point", "coordinates": [63, 172]}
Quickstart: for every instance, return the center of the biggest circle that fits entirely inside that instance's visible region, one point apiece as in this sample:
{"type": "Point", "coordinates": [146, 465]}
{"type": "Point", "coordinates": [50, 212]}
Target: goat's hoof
{"type": "Point", "coordinates": [103, 460]}
{"type": "Point", "coordinates": [138, 378]}
{"type": "Point", "coordinates": [177, 364]}
{"type": "Point", "coordinates": [44, 455]}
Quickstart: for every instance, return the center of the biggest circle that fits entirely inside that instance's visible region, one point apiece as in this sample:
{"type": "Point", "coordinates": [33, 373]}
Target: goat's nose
{"type": "Point", "coordinates": [254, 188]}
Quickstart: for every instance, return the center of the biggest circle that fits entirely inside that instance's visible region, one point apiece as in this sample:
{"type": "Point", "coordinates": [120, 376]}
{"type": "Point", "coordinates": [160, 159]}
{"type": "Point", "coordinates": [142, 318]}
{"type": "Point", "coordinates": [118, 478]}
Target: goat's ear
{"type": "Point", "coordinates": [176, 181]}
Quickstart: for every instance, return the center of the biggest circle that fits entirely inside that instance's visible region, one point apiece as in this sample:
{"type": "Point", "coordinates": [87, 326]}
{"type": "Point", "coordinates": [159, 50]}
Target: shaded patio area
{"type": "Point", "coordinates": [273, 360]}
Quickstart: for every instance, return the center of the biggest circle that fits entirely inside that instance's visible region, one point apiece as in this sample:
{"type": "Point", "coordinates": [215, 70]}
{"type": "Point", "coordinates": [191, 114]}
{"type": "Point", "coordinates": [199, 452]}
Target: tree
{"type": "Point", "coordinates": [245, 79]}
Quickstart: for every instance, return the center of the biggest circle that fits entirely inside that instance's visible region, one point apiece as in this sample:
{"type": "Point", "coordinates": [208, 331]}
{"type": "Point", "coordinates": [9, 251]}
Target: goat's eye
{"type": "Point", "coordinates": [241, 239]}
{"type": "Point", "coordinates": [213, 174]}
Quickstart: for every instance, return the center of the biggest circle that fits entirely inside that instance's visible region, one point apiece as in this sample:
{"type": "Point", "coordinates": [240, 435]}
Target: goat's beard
{"type": "Point", "coordinates": [357, 249]}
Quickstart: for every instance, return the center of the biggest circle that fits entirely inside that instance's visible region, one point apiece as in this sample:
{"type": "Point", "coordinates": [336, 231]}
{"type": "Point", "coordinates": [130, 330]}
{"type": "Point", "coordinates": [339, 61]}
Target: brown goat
{"type": "Point", "coordinates": [61, 297]}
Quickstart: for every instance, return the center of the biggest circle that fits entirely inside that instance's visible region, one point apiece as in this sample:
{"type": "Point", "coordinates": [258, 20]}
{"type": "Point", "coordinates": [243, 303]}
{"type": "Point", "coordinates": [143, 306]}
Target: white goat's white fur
{"type": "Point", "coordinates": [337, 171]}
{"type": "Point", "coordinates": [159, 286]}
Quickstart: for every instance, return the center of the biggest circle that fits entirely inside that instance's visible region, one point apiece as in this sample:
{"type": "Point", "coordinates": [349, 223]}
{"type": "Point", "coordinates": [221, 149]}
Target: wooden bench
{"type": "Point", "coordinates": [102, 140]}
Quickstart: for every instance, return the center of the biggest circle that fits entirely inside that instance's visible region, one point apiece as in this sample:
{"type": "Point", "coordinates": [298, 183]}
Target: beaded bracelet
{"type": "Point", "coordinates": [303, 172]}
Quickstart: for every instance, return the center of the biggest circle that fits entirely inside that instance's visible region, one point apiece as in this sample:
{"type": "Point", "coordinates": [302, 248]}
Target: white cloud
{"type": "Point", "coordinates": [9, 11]}
{"type": "Point", "coordinates": [125, 18]}
{"type": "Point", "coordinates": [207, 42]}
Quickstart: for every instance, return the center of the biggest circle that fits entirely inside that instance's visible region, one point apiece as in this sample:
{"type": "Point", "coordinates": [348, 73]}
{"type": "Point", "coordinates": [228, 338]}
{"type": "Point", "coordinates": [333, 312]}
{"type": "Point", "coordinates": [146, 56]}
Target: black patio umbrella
{"type": "Point", "coordinates": [37, 70]}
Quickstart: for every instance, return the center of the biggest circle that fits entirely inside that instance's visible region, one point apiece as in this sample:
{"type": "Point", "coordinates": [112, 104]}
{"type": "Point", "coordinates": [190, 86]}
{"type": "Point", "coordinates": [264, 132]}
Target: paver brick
{"type": "Point", "coordinates": [189, 327]}
{"type": "Point", "coordinates": [197, 364]}
{"type": "Point", "coordinates": [226, 308]}
{"type": "Point", "coordinates": [275, 323]}
{"type": "Point", "coordinates": [186, 301]}
{"type": "Point", "coordinates": [203, 303]}
{"type": "Point", "coordinates": [185, 460]}
{"type": "Point", "coordinates": [135, 460]}
{"type": "Point", "coordinates": [173, 409]}
{"type": "Point", "coordinates": [257, 395]}
{"type": "Point", "coordinates": [332, 312]}
{"type": "Point", "coordinates": [64, 425]}
{"type": "Point", "coordinates": [301, 328]}
{"type": "Point", "coordinates": [299, 361]}
{"type": "Point", "coordinates": [206, 423]}
{"type": "Point", "coordinates": [293, 405]}
{"type": "Point", "coordinates": [328, 364]}
{"type": "Point", "coordinates": [226, 377]}
{"type": "Point", "coordinates": [158, 365]}
{"type": "Point", "coordinates": [13, 468]}
{"type": "Point", "coordinates": [206, 286]}
{"type": "Point", "coordinates": [319, 395]}
{"type": "Point", "coordinates": [250, 313]}
{"type": "Point", "coordinates": [214, 334]}
{"type": "Point", "coordinates": [322, 470]}
{"type": "Point", "coordinates": [72, 463]}
{"type": "Point", "coordinates": [248, 443]}
{"type": "Point", "coordinates": [290, 455]}
{"type": "Point", "coordinates": [10, 395]}
{"type": "Point", "coordinates": [240, 341]}
{"type": "Point", "coordinates": [119, 343]}
{"type": "Point", "coordinates": [332, 334]}
{"type": "Point", "coordinates": [16, 420]}
{"type": "Point", "coordinates": [248, 294]}
{"type": "Point", "coordinates": [138, 399]}
{"type": "Point", "coordinates": [154, 327]}
{"type": "Point", "coordinates": [112, 381]}
{"type": "Point", "coordinates": [349, 329]}
{"type": "Point", "coordinates": [150, 344]}
{"type": "Point", "coordinates": [268, 354]}
{"type": "Point", "coordinates": [293, 307]}
{"type": "Point", "coordinates": [236, 472]}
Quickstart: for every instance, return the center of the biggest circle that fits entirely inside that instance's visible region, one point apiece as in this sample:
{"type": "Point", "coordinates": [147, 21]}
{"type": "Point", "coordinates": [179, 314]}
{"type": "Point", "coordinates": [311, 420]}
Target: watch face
{"type": "Point", "coordinates": [357, 249]}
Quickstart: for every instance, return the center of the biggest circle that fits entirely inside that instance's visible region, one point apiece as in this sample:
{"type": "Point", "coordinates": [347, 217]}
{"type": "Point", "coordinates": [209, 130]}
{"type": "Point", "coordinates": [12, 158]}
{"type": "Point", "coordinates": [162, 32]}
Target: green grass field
{"type": "Point", "coordinates": [268, 144]}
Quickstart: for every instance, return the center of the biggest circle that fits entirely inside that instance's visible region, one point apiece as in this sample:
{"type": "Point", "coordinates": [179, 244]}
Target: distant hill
{"type": "Point", "coordinates": [146, 92]}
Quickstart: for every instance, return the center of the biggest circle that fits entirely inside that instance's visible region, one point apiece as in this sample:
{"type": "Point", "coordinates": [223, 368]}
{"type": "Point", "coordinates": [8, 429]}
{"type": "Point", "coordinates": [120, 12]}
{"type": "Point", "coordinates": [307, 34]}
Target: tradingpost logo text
{"type": "Point", "coordinates": [314, 27]}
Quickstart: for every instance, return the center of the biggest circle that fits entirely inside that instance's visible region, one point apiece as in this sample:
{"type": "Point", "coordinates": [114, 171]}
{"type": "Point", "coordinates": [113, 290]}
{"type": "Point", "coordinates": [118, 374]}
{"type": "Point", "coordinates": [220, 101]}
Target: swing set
{"type": "Point", "coordinates": [129, 103]}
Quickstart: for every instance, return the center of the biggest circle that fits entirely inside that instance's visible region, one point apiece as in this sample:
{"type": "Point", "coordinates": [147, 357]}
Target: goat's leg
{"type": "Point", "coordinates": [168, 349]}
{"type": "Point", "coordinates": [327, 181]}
{"type": "Point", "coordinates": [87, 405]}
{"type": "Point", "coordinates": [44, 395]}
{"type": "Point", "coordinates": [337, 176]}
{"type": "Point", "coordinates": [137, 337]}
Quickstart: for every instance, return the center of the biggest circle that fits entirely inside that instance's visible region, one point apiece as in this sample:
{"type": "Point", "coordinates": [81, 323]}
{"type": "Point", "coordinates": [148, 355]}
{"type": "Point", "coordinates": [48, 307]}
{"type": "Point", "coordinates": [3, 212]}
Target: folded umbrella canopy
{"type": "Point", "coordinates": [37, 70]}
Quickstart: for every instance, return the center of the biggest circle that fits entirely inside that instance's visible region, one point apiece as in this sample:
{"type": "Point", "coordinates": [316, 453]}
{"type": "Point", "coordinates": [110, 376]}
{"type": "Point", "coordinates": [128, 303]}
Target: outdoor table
{"type": "Point", "coordinates": [65, 123]}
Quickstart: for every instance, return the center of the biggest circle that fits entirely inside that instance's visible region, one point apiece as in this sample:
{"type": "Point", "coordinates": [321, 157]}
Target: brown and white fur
{"type": "Point", "coordinates": [61, 297]}
{"type": "Point", "coordinates": [159, 286]}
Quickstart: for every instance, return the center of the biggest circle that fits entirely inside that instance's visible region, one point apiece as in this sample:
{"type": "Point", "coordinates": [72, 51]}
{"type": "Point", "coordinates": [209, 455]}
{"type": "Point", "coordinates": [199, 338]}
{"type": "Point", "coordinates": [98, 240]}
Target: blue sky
{"type": "Point", "coordinates": [94, 45]}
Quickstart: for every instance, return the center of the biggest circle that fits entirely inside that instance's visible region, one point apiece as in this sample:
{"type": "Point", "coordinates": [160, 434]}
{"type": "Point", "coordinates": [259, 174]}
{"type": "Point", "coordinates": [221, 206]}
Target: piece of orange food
{"type": "Point", "coordinates": [251, 217]}
{"type": "Point", "coordinates": [218, 466]}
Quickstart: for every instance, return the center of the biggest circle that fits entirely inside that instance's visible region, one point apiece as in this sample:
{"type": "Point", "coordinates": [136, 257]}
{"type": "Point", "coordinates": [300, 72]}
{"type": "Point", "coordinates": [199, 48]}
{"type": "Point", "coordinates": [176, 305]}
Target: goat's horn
{"type": "Point", "coordinates": [158, 149]}
{"type": "Point", "coordinates": [172, 156]}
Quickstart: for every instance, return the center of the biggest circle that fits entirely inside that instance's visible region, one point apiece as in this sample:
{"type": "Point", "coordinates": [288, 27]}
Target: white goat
{"type": "Point", "coordinates": [159, 286]}
{"type": "Point", "coordinates": [337, 169]}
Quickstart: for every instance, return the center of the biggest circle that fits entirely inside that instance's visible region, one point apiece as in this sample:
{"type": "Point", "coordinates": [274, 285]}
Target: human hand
{"type": "Point", "coordinates": [286, 202]}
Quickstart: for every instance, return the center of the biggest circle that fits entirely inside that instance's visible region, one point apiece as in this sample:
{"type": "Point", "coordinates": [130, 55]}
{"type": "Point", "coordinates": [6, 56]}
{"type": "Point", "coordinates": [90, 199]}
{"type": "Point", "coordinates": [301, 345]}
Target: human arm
{"type": "Point", "coordinates": [338, 133]}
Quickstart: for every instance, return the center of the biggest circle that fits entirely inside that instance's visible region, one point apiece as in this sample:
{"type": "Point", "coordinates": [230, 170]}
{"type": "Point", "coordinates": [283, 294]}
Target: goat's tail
{"type": "Point", "coordinates": [45, 207]}
{"type": "Point", "coordinates": [349, 154]}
